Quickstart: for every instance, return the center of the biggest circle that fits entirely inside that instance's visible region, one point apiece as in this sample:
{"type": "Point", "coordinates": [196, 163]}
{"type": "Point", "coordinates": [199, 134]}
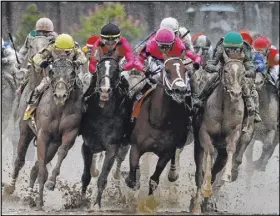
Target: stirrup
{"type": "Point", "coordinates": [29, 110]}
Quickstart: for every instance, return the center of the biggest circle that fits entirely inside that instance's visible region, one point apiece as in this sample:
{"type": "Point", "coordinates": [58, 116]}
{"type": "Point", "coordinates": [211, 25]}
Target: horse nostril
{"type": "Point", "coordinates": [64, 95]}
{"type": "Point", "coordinates": [109, 90]}
{"type": "Point", "coordinates": [100, 89]}
{"type": "Point", "coordinates": [55, 94]}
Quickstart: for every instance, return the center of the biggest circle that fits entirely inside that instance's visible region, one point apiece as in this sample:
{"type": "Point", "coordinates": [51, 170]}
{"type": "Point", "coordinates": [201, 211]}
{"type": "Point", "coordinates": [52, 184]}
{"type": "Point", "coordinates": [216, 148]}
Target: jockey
{"type": "Point", "coordinates": [168, 22]}
{"type": "Point", "coordinates": [202, 46]}
{"type": "Point", "coordinates": [263, 46]}
{"type": "Point", "coordinates": [233, 45]}
{"type": "Point", "coordinates": [44, 28]}
{"type": "Point", "coordinates": [63, 46]}
{"type": "Point", "coordinates": [111, 42]}
{"type": "Point", "coordinates": [164, 43]}
{"type": "Point", "coordinates": [7, 54]}
{"type": "Point", "coordinates": [186, 38]}
{"type": "Point", "coordinates": [90, 42]}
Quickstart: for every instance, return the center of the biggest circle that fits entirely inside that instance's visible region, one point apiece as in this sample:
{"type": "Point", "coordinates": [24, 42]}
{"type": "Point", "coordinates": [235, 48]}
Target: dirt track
{"type": "Point", "coordinates": [236, 198]}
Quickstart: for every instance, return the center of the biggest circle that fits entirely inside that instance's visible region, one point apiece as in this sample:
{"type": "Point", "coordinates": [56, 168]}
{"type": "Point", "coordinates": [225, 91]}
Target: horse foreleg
{"type": "Point", "coordinates": [173, 175]}
{"type": "Point", "coordinates": [122, 152]}
{"type": "Point", "coordinates": [134, 157]}
{"type": "Point", "coordinates": [68, 140]}
{"type": "Point", "coordinates": [269, 145]}
{"type": "Point", "coordinates": [161, 164]}
{"type": "Point", "coordinates": [106, 168]}
{"type": "Point", "coordinates": [26, 135]}
{"type": "Point", "coordinates": [231, 141]}
{"type": "Point", "coordinates": [86, 177]}
{"type": "Point", "coordinates": [42, 143]}
{"type": "Point", "coordinates": [219, 163]}
{"type": "Point", "coordinates": [35, 169]}
{"type": "Point", "coordinates": [195, 205]}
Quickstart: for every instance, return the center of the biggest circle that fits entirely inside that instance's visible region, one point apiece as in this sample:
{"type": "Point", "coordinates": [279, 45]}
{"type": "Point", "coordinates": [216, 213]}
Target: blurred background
{"type": "Point", "coordinates": [139, 19]}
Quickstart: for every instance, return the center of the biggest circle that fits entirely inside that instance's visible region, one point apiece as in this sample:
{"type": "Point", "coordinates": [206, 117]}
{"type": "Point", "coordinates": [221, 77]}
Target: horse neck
{"type": "Point", "coordinates": [35, 78]}
{"type": "Point", "coordinates": [163, 108]}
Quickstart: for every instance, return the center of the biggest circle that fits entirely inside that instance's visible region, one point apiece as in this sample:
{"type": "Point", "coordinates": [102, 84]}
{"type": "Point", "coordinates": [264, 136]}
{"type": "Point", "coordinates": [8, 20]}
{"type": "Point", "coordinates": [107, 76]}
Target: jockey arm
{"type": "Point", "coordinates": [139, 61]}
{"type": "Point", "coordinates": [80, 56]}
{"type": "Point", "coordinates": [95, 51]}
{"type": "Point", "coordinates": [193, 56]}
{"type": "Point", "coordinates": [259, 62]}
{"type": "Point", "coordinates": [248, 61]}
{"type": "Point", "coordinates": [129, 56]}
{"type": "Point", "coordinates": [39, 59]}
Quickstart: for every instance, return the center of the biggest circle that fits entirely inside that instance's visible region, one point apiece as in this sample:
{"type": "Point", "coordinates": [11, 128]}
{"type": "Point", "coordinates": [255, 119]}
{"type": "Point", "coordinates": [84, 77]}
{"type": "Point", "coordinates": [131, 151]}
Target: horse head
{"type": "Point", "coordinates": [233, 74]}
{"type": "Point", "coordinates": [259, 81]}
{"type": "Point", "coordinates": [63, 76]}
{"type": "Point", "coordinates": [173, 78]}
{"type": "Point", "coordinates": [108, 77]}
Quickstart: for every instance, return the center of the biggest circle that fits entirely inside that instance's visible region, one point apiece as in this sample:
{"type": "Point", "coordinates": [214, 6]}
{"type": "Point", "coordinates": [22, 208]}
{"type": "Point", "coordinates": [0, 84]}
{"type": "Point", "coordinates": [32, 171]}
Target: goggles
{"type": "Point", "coordinates": [164, 46]}
{"type": "Point", "coordinates": [59, 51]}
{"type": "Point", "coordinates": [110, 41]}
{"type": "Point", "coordinates": [233, 50]}
{"type": "Point", "coordinates": [203, 49]}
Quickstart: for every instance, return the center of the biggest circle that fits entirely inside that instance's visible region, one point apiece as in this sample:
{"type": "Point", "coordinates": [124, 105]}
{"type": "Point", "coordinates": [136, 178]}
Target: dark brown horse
{"type": "Point", "coordinates": [104, 124]}
{"type": "Point", "coordinates": [57, 120]}
{"type": "Point", "coordinates": [161, 124]}
{"type": "Point", "coordinates": [219, 128]}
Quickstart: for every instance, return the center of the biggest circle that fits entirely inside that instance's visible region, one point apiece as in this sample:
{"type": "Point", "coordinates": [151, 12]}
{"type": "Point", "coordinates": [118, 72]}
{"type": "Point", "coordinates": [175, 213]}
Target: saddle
{"type": "Point", "coordinates": [137, 105]}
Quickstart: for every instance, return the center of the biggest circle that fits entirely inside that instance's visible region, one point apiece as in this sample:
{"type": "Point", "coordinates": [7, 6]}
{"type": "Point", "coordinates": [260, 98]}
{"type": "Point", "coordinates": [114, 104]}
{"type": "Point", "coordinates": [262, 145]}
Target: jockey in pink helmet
{"type": "Point", "coordinates": [165, 42]}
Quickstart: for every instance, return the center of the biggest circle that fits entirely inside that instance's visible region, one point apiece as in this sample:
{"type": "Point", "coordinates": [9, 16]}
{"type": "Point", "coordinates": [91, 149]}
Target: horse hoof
{"type": "Point", "coordinates": [117, 175]}
{"type": "Point", "coordinates": [226, 177]}
{"type": "Point", "coordinates": [131, 184]}
{"type": "Point", "coordinates": [50, 185]}
{"type": "Point", "coordinates": [27, 200]}
{"type": "Point", "coordinates": [9, 189]}
{"type": "Point", "coordinates": [259, 167]}
{"type": "Point", "coordinates": [173, 178]}
{"type": "Point", "coordinates": [94, 173]}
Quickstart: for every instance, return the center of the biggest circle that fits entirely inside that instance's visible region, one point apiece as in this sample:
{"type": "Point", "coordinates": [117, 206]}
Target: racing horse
{"type": "Point", "coordinates": [266, 131]}
{"type": "Point", "coordinates": [161, 124]}
{"type": "Point", "coordinates": [55, 124]}
{"type": "Point", "coordinates": [104, 124]}
{"type": "Point", "coordinates": [219, 127]}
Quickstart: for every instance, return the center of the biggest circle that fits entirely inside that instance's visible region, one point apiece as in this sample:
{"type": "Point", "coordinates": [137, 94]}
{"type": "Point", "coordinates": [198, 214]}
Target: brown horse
{"type": "Point", "coordinates": [57, 120]}
{"type": "Point", "coordinates": [161, 123]}
{"type": "Point", "coordinates": [266, 131]}
{"type": "Point", "coordinates": [219, 128]}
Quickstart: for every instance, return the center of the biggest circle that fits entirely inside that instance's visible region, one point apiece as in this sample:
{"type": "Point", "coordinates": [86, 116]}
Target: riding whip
{"type": "Point", "coordinates": [144, 40]}
{"type": "Point", "coordinates": [185, 34]}
{"type": "Point", "coordinates": [11, 39]}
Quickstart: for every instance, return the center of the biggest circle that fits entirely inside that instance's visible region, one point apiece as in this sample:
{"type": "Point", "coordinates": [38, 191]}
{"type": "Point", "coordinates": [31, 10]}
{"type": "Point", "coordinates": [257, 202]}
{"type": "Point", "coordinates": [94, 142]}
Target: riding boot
{"type": "Point", "coordinates": [210, 85]}
{"type": "Point", "coordinates": [140, 94]}
{"type": "Point", "coordinates": [32, 104]}
{"type": "Point", "coordinates": [256, 101]}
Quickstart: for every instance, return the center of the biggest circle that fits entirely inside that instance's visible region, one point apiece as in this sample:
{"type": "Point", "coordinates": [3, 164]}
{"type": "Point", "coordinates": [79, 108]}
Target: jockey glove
{"type": "Point", "coordinates": [196, 65]}
{"type": "Point", "coordinates": [44, 64]}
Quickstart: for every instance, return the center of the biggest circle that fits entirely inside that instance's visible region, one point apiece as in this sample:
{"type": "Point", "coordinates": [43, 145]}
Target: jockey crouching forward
{"type": "Point", "coordinates": [234, 47]}
{"type": "Point", "coordinates": [164, 43]}
{"type": "Point", "coordinates": [63, 47]}
{"type": "Point", "coordinates": [44, 30]}
{"type": "Point", "coordinates": [110, 43]}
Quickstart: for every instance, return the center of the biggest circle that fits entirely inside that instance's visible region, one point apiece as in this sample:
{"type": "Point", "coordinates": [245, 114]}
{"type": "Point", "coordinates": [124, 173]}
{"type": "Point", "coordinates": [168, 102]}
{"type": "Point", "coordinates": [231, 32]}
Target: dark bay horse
{"type": "Point", "coordinates": [266, 131]}
{"type": "Point", "coordinates": [57, 120]}
{"type": "Point", "coordinates": [161, 124]}
{"type": "Point", "coordinates": [104, 124]}
{"type": "Point", "coordinates": [219, 128]}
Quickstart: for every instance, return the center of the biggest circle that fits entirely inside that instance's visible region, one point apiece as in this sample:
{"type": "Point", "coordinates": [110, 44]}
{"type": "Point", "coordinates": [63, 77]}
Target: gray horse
{"type": "Point", "coordinates": [219, 127]}
{"type": "Point", "coordinates": [55, 125]}
{"type": "Point", "coordinates": [266, 131]}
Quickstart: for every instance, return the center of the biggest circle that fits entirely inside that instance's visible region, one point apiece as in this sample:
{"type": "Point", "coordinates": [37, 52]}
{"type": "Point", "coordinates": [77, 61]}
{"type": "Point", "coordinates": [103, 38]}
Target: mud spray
{"type": "Point", "coordinates": [260, 197]}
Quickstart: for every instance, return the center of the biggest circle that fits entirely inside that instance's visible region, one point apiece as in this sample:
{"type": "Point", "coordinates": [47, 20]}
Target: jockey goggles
{"type": "Point", "coordinates": [59, 51]}
{"type": "Point", "coordinates": [233, 50]}
{"type": "Point", "coordinates": [110, 40]}
{"type": "Point", "coordinates": [203, 49]}
{"type": "Point", "coordinates": [165, 46]}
